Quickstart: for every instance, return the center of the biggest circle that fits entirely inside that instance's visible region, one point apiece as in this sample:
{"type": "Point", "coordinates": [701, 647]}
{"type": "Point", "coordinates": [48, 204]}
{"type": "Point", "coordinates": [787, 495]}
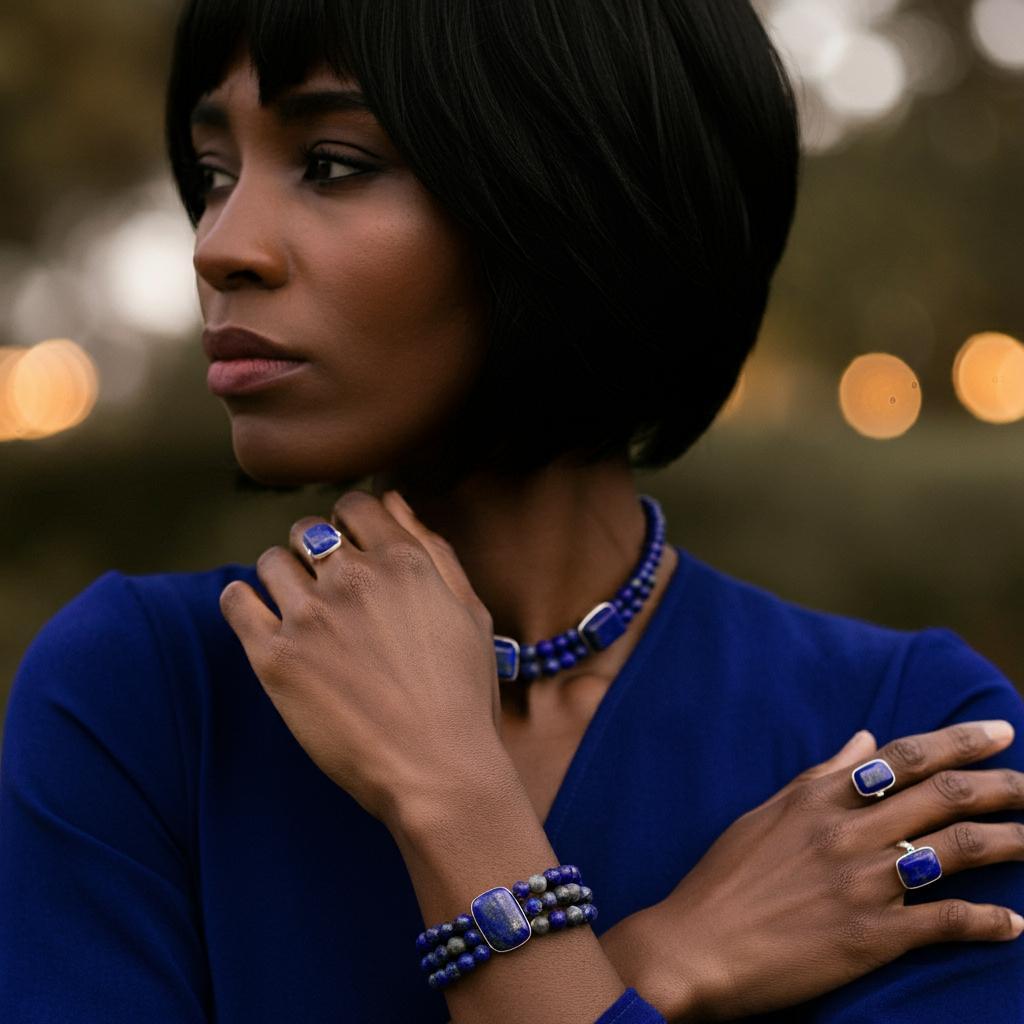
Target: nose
{"type": "Point", "coordinates": [238, 241]}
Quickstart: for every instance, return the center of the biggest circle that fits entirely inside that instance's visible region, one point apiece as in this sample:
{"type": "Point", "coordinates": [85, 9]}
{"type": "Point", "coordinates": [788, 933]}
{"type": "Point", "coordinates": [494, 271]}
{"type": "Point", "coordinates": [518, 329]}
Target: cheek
{"type": "Point", "coordinates": [401, 293]}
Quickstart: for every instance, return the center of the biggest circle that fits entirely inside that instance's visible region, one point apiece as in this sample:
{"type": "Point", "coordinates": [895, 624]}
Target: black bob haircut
{"type": "Point", "coordinates": [626, 169]}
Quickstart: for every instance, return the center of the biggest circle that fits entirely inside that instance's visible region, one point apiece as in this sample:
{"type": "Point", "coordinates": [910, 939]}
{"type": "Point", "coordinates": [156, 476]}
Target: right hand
{"type": "Point", "coordinates": [800, 895]}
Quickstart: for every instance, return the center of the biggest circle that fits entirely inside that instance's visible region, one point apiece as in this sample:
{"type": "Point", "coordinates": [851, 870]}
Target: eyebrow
{"type": "Point", "coordinates": [303, 106]}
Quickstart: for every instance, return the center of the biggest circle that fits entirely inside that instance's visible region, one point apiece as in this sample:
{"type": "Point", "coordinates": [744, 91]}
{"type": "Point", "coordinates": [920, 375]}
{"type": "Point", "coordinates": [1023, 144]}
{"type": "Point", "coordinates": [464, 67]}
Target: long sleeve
{"type": "Point", "coordinates": [630, 1008]}
{"type": "Point", "coordinates": [97, 917]}
{"type": "Point", "coordinates": [945, 681]}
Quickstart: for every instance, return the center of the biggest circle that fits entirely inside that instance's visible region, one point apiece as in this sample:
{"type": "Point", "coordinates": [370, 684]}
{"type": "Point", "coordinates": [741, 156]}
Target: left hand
{"type": "Point", "coordinates": [382, 664]}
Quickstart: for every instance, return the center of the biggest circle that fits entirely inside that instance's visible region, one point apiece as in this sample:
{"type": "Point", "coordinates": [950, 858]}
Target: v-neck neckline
{"type": "Point", "coordinates": [632, 667]}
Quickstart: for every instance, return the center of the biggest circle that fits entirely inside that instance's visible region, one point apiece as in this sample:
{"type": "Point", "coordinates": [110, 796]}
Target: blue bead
{"type": "Point", "coordinates": [603, 626]}
{"type": "Point", "coordinates": [581, 651]}
{"type": "Point", "coordinates": [422, 945]}
{"type": "Point", "coordinates": [435, 982]}
{"type": "Point", "coordinates": [551, 666]}
{"type": "Point", "coordinates": [445, 931]}
{"type": "Point", "coordinates": [557, 919]}
{"type": "Point", "coordinates": [919, 868]}
{"type": "Point", "coordinates": [482, 953]}
{"type": "Point", "coordinates": [567, 659]}
{"type": "Point", "coordinates": [466, 963]}
{"type": "Point", "coordinates": [873, 777]}
{"type": "Point", "coordinates": [472, 937]}
{"type": "Point", "coordinates": [432, 936]}
{"type": "Point", "coordinates": [500, 919]}
{"type": "Point", "coordinates": [533, 906]}
{"type": "Point", "coordinates": [440, 955]}
{"type": "Point", "coordinates": [573, 635]}
{"type": "Point", "coordinates": [561, 642]}
{"type": "Point", "coordinates": [590, 911]}
{"type": "Point", "coordinates": [548, 899]}
{"type": "Point", "coordinates": [529, 672]}
{"type": "Point", "coordinates": [427, 963]}
{"type": "Point", "coordinates": [625, 594]}
{"type": "Point", "coordinates": [545, 648]}
{"type": "Point", "coordinates": [636, 604]}
{"type": "Point", "coordinates": [463, 923]}
{"type": "Point", "coordinates": [521, 890]}
{"type": "Point", "coordinates": [627, 614]}
{"type": "Point", "coordinates": [554, 876]}
{"type": "Point", "coordinates": [528, 652]}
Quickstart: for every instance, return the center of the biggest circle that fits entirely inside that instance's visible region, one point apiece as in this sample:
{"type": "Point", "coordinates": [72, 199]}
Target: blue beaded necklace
{"type": "Point", "coordinates": [600, 627]}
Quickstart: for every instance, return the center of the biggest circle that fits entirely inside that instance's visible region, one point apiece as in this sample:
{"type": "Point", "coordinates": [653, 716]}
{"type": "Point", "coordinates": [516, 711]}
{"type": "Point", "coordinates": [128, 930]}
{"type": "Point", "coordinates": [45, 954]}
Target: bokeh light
{"type": "Point", "coordinates": [998, 30]}
{"type": "Point", "coordinates": [988, 377]}
{"type": "Point", "coordinates": [45, 389]}
{"type": "Point", "coordinates": [879, 395]}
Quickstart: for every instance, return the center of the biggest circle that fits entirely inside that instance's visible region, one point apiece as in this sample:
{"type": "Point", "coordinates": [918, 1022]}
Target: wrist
{"type": "Point", "coordinates": [645, 952]}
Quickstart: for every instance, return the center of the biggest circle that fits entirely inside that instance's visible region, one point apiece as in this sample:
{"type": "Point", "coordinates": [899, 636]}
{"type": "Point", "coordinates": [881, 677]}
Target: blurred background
{"type": "Point", "coordinates": [870, 461]}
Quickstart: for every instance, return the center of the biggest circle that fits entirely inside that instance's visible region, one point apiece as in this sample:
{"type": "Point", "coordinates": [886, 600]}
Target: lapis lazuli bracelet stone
{"type": "Point", "coordinates": [504, 920]}
{"type": "Point", "coordinates": [600, 627]}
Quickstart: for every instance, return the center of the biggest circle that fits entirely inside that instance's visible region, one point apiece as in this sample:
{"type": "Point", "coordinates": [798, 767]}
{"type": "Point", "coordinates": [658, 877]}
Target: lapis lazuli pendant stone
{"type": "Point", "coordinates": [601, 626]}
{"type": "Point", "coordinates": [321, 539]}
{"type": "Point", "coordinates": [919, 867]}
{"type": "Point", "coordinates": [500, 919]}
{"type": "Point", "coordinates": [873, 777]}
{"type": "Point", "coordinates": [506, 650]}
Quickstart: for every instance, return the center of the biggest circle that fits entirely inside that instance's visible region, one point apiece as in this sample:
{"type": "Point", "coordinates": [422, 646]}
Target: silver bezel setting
{"type": "Point", "coordinates": [586, 620]}
{"type": "Point", "coordinates": [909, 853]}
{"type": "Point", "coordinates": [323, 554]}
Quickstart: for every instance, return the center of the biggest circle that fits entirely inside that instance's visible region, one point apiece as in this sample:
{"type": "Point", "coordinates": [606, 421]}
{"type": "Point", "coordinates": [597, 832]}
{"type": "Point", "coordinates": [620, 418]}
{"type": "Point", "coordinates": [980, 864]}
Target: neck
{"type": "Point", "coordinates": [542, 550]}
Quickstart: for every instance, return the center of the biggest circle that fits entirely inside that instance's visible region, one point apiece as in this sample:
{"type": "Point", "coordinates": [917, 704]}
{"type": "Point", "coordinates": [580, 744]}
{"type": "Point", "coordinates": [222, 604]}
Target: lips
{"type": "Point", "coordinates": [232, 342]}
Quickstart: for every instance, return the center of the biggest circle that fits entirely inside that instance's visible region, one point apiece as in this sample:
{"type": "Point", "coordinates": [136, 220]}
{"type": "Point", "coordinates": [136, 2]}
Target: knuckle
{"type": "Point", "coordinates": [1014, 783]}
{"type": "Point", "coordinates": [353, 499]}
{"type": "Point", "coordinates": [282, 655]}
{"type": "Point", "coordinates": [969, 841]}
{"type": "Point", "coordinates": [313, 612]}
{"type": "Point", "coordinates": [907, 752]}
{"type": "Point", "coordinates": [357, 579]}
{"type": "Point", "coordinates": [858, 929]}
{"type": "Point", "coordinates": [806, 796]}
{"type": "Point", "coordinates": [952, 787]}
{"type": "Point", "coordinates": [406, 558]}
{"type": "Point", "coordinates": [954, 916]}
{"type": "Point", "coordinates": [967, 740]}
{"type": "Point", "coordinates": [829, 835]}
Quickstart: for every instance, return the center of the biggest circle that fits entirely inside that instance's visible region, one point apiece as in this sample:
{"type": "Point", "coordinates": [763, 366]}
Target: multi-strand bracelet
{"type": "Point", "coordinates": [501, 920]}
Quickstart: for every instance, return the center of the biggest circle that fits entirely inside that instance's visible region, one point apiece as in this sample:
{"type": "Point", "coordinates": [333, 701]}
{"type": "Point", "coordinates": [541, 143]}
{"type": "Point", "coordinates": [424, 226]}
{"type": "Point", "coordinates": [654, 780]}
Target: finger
{"type": "Point", "coordinates": [286, 577]}
{"type": "Point", "coordinates": [440, 550]}
{"type": "Point", "coordinates": [970, 844]}
{"type": "Point", "coordinates": [913, 758]}
{"type": "Point", "coordinates": [367, 520]}
{"type": "Point", "coordinates": [952, 921]}
{"type": "Point", "coordinates": [946, 796]}
{"type": "Point", "coordinates": [253, 622]}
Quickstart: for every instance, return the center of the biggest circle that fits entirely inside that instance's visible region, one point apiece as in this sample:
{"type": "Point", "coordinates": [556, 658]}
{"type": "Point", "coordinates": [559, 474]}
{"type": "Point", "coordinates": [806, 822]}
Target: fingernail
{"type": "Point", "coordinates": [997, 729]}
{"type": "Point", "coordinates": [1016, 922]}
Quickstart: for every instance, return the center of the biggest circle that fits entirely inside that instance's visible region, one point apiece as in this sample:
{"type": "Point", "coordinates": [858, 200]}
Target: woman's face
{"type": "Point", "coordinates": [365, 278]}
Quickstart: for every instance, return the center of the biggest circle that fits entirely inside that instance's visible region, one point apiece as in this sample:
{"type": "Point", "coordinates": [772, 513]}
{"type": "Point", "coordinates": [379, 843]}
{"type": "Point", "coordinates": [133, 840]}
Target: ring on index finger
{"type": "Point", "coordinates": [873, 777]}
{"type": "Point", "coordinates": [320, 540]}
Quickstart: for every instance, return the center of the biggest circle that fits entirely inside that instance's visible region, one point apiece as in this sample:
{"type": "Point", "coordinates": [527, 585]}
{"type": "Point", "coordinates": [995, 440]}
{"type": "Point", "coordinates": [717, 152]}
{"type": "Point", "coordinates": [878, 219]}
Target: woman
{"type": "Point", "coordinates": [250, 793]}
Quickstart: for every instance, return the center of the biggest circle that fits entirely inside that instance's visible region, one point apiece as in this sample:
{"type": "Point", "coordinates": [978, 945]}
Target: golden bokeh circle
{"type": "Point", "coordinates": [988, 377]}
{"type": "Point", "coordinates": [879, 395]}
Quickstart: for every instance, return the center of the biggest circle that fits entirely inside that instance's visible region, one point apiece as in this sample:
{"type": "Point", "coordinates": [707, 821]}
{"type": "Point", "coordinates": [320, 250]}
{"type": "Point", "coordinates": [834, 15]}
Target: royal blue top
{"type": "Point", "coordinates": [170, 853]}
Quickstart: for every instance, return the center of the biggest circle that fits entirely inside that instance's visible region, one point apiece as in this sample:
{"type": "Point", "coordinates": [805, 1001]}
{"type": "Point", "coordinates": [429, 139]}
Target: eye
{"type": "Point", "coordinates": [312, 156]}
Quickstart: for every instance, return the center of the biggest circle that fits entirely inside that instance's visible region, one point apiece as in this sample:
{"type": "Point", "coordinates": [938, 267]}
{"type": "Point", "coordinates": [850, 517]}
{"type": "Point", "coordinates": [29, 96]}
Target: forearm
{"type": "Point", "coordinates": [476, 832]}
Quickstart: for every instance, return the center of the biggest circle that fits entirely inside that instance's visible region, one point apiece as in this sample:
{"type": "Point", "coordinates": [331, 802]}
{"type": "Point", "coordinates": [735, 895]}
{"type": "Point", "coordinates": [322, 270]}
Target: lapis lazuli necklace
{"type": "Point", "coordinates": [600, 627]}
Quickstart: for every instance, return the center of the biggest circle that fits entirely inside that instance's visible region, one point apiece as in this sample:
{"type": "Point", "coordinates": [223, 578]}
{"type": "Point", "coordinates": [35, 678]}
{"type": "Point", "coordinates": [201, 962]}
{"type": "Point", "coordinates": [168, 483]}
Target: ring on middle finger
{"type": "Point", "coordinates": [320, 540]}
{"type": "Point", "coordinates": [873, 777]}
{"type": "Point", "coordinates": [918, 866]}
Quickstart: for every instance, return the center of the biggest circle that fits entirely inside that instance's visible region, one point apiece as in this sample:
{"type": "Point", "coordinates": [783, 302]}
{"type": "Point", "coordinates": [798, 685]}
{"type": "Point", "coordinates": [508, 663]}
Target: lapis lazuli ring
{"type": "Point", "coordinates": [918, 866]}
{"type": "Point", "coordinates": [320, 540]}
{"type": "Point", "coordinates": [873, 777]}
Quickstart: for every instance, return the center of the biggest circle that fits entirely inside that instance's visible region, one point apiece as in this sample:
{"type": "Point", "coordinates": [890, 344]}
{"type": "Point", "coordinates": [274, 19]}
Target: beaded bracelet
{"type": "Point", "coordinates": [505, 919]}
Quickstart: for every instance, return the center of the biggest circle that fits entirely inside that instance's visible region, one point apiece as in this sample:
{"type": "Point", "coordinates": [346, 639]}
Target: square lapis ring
{"type": "Point", "coordinates": [918, 867]}
{"type": "Point", "coordinates": [320, 540]}
{"type": "Point", "coordinates": [873, 777]}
